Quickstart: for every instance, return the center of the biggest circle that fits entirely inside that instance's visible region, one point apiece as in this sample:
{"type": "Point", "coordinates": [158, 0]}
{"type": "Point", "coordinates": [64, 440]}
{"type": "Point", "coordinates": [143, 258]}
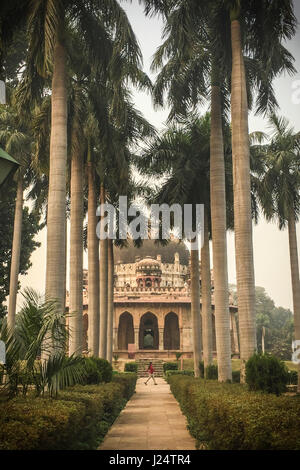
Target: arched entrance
{"type": "Point", "coordinates": [148, 335]}
{"type": "Point", "coordinates": [171, 332]}
{"type": "Point", "coordinates": [125, 331]}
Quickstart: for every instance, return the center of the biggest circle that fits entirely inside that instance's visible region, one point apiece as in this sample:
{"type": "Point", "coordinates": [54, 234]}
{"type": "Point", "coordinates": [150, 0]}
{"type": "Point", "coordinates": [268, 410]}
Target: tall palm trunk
{"type": "Point", "coordinates": [218, 218]}
{"type": "Point", "coordinates": [57, 180]}
{"type": "Point", "coordinates": [103, 285]}
{"type": "Point", "coordinates": [110, 300]}
{"type": "Point", "coordinates": [206, 296]}
{"type": "Point", "coordinates": [15, 255]}
{"type": "Point", "coordinates": [195, 309]}
{"type": "Point", "coordinates": [242, 201]}
{"type": "Point", "coordinates": [295, 279]}
{"type": "Point", "coordinates": [93, 264]}
{"type": "Point", "coordinates": [76, 253]}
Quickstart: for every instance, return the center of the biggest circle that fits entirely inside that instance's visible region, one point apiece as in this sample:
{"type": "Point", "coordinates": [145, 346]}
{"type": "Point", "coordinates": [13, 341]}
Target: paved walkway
{"type": "Point", "coordinates": [151, 420]}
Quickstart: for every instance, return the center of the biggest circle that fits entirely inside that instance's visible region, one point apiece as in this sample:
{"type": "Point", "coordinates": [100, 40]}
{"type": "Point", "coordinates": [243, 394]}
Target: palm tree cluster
{"type": "Point", "coordinates": [73, 99]}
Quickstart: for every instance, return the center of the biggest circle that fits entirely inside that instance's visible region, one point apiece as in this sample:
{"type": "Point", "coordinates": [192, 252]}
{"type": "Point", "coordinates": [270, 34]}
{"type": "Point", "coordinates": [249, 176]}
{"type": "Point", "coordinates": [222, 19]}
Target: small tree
{"type": "Point", "coordinates": [266, 373]}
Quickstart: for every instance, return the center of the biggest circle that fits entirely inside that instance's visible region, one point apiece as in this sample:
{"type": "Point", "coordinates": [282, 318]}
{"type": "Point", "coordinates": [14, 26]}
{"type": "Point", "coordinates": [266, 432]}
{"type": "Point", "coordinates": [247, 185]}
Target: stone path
{"type": "Point", "coordinates": [151, 420]}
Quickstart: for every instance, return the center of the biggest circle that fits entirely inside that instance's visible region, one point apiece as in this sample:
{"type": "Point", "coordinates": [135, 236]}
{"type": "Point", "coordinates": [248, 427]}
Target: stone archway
{"type": "Point", "coordinates": [171, 332]}
{"type": "Point", "coordinates": [148, 334]}
{"type": "Point", "coordinates": [125, 331]}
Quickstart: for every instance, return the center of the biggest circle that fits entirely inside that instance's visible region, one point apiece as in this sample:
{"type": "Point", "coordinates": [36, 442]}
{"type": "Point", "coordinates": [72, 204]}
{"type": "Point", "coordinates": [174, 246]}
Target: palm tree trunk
{"type": "Point", "coordinates": [76, 254]}
{"type": "Point", "coordinates": [263, 340]}
{"type": "Point", "coordinates": [206, 296]}
{"type": "Point", "coordinates": [93, 265]}
{"type": "Point", "coordinates": [110, 300]}
{"type": "Point", "coordinates": [242, 201]}
{"type": "Point", "coordinates": [195, 309]}
{"type": "Point", "coordinates": [57, 180]}
{"type": "Point", "coordinates": [218, 220]}
{"type": "Point", "coordinates": [15, 255]}
{"type": "Point", "coordinates": [295, 279]}
{"type": "Point", "coordinates": [103, 285]}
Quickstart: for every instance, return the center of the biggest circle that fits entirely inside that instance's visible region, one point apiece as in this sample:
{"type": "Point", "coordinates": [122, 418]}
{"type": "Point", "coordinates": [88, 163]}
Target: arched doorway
{"type": "Point", "coordinates": [125, 331]}
{"type": "Point", "coordinates": [171, 332]}
{"type": "Point", "coordinates": [148, 336]}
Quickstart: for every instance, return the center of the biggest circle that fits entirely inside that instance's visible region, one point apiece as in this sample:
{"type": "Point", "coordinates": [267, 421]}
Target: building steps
{"type": "Point", "coordinates": [143, 365]}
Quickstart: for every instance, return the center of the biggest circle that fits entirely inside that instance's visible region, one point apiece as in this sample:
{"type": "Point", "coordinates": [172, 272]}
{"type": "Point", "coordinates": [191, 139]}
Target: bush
{"type": "Point", "coordinates": [229, 417]}
{"type": "Point", "coordinates": [267, 373]}
{"type": "Point", "coordinates": [292, 377]}
{"type": "Point", "coordinates": [179, 372]}
{"type": "Point", "coordinates": [170, 366]}
{"type": "Point", "coordinates": [131, 367]}
{"type": "Point", "coordinates": [211, 372]}
{"type": "Point", "coordinates": [94, 376]}
{"type": "Point", "coordinates": [236, 376]}
{"type": "Point", "coordinates": [78, 419]}
{"type": "Point", "coordinates": [127, 380]}
{"type": "Point", "coordinates": [201, 368]}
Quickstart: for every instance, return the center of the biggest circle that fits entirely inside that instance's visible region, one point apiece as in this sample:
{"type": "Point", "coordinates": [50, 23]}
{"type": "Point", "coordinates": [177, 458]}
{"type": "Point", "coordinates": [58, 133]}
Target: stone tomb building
{"type": "Point", "coordinates": [152, 306]}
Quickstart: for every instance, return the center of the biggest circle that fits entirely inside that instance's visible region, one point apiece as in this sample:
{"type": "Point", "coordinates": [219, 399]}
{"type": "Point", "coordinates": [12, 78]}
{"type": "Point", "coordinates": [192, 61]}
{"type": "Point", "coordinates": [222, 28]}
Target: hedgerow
{"type": "Point", "coordinates": [77, 420]}
{"type": "Point", "coordinates": [229, 417]}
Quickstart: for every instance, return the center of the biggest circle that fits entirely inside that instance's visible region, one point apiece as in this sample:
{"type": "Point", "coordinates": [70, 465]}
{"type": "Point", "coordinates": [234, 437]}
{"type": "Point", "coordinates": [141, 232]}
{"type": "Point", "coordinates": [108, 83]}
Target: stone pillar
{"type": "Point", "coordinates": [115, 339]}
{"type": "Point", "coordinates": [136, 338]}
{"type": "Point", "coordinates": [161, 338]}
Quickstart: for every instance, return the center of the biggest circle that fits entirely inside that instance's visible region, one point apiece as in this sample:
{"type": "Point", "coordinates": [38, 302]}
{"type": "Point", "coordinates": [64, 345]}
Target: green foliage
{"type": "Point", "coordinates": [179, 372]}
{"type": "Point", "coordinates": [30, 227]}
{"type": "Point", "coordinates": [292, 377]}
{"type": "Point", "coordinates": [236, 376]}
{"type": "Point", "coordinates": [201, 368]}
{"type": "Point", "coordinates": [178, 355]}
{"type": "Point", "coordinates": [39, 325]}
{"type": "Point", "coordinates": [98, 370]}
{"type": "Point", "coordinates": [131, 367]}
{"type": "Point", "coordinates": [127, 381]}
{"type": "Point", "coordinates": [170, 366]}
{"type": "Point", "coordinates": [267, 373]}
{"type": "Point", "coordinates": [77, 420]}
{"type": "Point", "coordinates": [225, 416]}
{"type": "Point", "coordinates": [211, 372]}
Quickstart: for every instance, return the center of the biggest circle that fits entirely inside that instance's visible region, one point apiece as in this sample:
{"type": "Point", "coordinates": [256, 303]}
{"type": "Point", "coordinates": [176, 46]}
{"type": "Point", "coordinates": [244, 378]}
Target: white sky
{"type": "Point", "coordinates": [271, 251]}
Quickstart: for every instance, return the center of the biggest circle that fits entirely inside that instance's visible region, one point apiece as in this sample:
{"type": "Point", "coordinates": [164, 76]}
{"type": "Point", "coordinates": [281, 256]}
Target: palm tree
{"type": "Point", "coordinates": [183, 153]}
{"type": "Point", "coordinates": [262, 23]}
{"type": "Point", "coordinates": [17, 140]}
{"type": "Point", "coordinates": [110, 300]}
{"type": "Point", "coordinates": [48, 26]}
{"type": "Point", "coordinates": [278, 192]}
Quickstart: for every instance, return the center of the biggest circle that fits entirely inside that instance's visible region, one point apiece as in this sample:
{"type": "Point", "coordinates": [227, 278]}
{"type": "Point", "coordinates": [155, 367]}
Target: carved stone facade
{"type": "Point", "coordinates": [152, 313]}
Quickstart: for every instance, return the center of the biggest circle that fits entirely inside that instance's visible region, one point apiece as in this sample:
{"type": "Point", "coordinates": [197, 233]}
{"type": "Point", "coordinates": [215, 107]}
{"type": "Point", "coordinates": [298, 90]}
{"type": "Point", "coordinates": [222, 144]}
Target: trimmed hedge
{"type": "Point", "coordinates": [170, 366]}
{"type": "Point", "coordinates": [267, 373]}
{"type": "Point", "coordinates": [292, 377]}
{"type": "Point", "coordinates": [131, 367]}
{"type": "Point", "coordinates": [77, 420]}
{"type": "Point", "coordinates": [179, 372]}
{"type": "Point", "coordinates": [229, 417]}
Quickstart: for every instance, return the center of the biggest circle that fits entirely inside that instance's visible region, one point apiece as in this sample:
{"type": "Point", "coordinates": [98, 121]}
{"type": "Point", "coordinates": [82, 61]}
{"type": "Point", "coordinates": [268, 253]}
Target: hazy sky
{"type": "Point", "coordinates": [271, 251]}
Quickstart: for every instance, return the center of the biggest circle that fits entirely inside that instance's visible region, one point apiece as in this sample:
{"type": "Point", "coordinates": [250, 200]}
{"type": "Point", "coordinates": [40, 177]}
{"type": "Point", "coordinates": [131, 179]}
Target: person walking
{"type": "Point", "coordinates": [150, 371]}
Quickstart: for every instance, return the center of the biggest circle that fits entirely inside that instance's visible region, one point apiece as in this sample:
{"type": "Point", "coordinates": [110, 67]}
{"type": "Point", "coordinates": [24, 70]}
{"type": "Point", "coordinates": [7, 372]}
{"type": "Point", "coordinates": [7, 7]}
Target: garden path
{"type": "Point", "coordinates": [151, 420]}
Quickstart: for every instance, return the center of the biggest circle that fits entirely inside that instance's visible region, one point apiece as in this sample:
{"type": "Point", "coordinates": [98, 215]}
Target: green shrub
{"type": "Point", "coordinates": [211, 372]}
{"type": "Point", "coordinates": [201, 368]}
{"type": "Point", "coordinates": [131, 367]}
{"type": "Point", "coordinates": [78, 419]}
{"type": "Point", "coordinates": [180, 372]}
{"type": "Point", "coordinates": [292, 377]}
{"type": "Point", "coordinates": [236, 376]}
{"type": "Point", "coordinates": [267, 373]}
{"type": "Point", "coordinates": [128, 382]}
{"type": "Point", "coordinates": [94, 376]}
{"type": "Point", "coordinates": [103, 367]}
{"type": "Point", "coordinates": [170, 366]}
{"type": "Point", "coordinates": [225, 416]}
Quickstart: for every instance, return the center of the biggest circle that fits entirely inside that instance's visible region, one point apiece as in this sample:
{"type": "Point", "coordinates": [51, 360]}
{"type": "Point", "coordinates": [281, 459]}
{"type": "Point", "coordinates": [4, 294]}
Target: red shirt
{"type": "Point", "coordinates": [151, 369]}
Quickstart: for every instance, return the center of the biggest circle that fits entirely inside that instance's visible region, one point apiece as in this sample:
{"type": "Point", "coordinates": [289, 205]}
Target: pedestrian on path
{"type": "Point", "coordinates": [150, 371]}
